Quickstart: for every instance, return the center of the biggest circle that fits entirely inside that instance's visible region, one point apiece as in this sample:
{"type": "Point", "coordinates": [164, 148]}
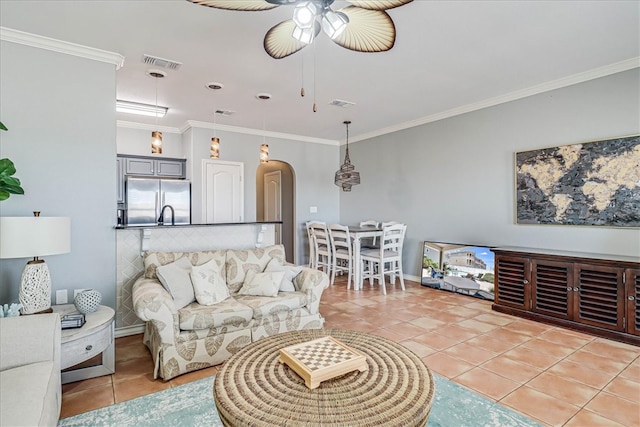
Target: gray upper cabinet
{"type": "Point", "coordinates": [153, 167]}
{"type": "Point", "coordinates": [170, 168]}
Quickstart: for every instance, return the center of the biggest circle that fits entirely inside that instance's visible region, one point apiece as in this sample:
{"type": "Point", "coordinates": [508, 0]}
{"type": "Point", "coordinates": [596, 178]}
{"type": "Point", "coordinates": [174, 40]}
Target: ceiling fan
{"type": "Point", "coordinates": [364, 26]}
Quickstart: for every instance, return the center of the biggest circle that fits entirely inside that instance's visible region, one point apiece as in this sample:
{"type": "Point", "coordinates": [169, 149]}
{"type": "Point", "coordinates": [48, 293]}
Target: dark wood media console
{"type": "Point", "coordinates": [593, 293]}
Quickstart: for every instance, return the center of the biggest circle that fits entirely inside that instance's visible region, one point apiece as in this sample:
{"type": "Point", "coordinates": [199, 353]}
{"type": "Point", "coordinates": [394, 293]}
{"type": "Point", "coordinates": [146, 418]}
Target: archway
{"type": "Point", "coordinates": [287, 201]}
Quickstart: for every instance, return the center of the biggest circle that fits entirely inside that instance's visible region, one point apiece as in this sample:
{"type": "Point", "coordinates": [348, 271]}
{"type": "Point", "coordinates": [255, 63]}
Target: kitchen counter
{"type": "Point", "coordinates": [138, 226]}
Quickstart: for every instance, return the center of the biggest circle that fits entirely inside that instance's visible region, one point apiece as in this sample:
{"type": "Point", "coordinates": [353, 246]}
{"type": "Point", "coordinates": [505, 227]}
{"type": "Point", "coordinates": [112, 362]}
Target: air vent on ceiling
{"type": "Point", "coordinates": [341, 103]}
{"type": "Point", "coordinates": [161, 62]}
{"type": "Point", "coordinates": [225, 113]}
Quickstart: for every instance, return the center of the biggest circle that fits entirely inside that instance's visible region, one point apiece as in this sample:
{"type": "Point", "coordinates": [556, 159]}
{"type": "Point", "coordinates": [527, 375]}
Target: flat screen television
{"type": "Point", "coordinates": [458, 267]}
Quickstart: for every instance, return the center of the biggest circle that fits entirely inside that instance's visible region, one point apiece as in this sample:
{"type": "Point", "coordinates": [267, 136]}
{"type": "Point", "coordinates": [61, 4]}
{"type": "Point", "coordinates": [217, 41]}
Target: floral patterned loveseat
{"type": "Point", "coordinates": [184, 339]}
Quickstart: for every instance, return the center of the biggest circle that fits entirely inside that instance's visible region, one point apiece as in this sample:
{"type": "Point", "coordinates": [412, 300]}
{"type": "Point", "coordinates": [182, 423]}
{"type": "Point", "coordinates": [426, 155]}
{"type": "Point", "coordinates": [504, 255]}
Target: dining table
{"type": "Point", "coordinates": [358, 233]}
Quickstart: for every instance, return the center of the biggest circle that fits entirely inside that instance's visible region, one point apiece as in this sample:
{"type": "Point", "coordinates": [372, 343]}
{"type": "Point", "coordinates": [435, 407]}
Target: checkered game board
{"type": "Point", "coordinates": [322, 353]}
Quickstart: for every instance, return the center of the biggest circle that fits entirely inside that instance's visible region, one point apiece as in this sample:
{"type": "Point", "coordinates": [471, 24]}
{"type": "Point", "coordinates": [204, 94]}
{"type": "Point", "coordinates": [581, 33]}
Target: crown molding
{"type": "Point", "coordinates": [41, 42]}
{"type": "Point", "coordinates": [607, 70]}
{"type": "Point", "coordinates": [266, 133]}
{"type": "Point", "coordinates": [144, 126]}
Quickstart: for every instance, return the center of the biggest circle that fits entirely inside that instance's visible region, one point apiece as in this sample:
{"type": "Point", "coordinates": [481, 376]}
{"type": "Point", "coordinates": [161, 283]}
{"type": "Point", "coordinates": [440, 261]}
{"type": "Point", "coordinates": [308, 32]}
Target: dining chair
{"type": "Point", "coordinates": [369, 242]}
{"type": "Point", "coordinates": [387, 259]}
{"type": "Point", "coordinates": [312, 251]}
{"type": "Point", "coordinates": [342, 252]}
{"type": "Point", "coordinates": [322, 251]}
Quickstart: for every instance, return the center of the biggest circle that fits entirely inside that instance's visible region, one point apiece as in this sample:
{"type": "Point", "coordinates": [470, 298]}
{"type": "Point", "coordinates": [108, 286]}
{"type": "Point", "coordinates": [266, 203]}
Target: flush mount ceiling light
{"type": "Point", "coordinates": [140, 109]}
{"type": "Point", "coordinates": [347, 176]}
{"type": "Point", "coordinates": [364, 26]}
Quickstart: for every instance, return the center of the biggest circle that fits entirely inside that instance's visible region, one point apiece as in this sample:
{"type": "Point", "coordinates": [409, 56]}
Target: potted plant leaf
{"type": "Point", "coordinates": [8, 183]}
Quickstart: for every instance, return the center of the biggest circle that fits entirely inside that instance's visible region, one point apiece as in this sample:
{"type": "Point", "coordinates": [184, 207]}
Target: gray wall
{"type": "Point", "coordinates": [453, 180]}
{"type": "Point", "coordinates": [60, 111]}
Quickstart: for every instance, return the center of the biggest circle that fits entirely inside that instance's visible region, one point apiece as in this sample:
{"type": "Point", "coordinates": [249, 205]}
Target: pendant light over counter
{"type": "Point", "coordinates": [156, 136]}
{"type": "Point", "coordinates": [264, 147]}
{"type": "Point", "coordinates": [347, 176]}
{"type": "Point", "coordinates": [214, 148]}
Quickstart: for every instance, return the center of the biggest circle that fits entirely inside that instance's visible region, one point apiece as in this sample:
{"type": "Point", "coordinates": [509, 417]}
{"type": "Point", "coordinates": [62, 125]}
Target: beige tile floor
{"type": "Point", "coordinates": [555, 376]}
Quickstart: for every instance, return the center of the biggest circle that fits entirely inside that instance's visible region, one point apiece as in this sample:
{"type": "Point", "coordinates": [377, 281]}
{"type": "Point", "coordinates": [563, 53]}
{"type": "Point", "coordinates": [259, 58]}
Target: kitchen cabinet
{"type": "Point", "coordinates": [153, 167]}
{"type": "Point", "coordinates": [589, 292]}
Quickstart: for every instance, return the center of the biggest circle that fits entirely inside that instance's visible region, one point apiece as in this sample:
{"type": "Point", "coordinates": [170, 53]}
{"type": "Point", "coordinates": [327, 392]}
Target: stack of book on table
{"type": "Point", "coordinates": [69, 321]}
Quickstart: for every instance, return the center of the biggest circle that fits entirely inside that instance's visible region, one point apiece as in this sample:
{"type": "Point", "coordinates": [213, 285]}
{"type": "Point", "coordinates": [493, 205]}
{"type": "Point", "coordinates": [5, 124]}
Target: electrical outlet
{"type": "Point", "coordinates": [76, 292]}
{"type": "Point", "coordinates": [62, 297]}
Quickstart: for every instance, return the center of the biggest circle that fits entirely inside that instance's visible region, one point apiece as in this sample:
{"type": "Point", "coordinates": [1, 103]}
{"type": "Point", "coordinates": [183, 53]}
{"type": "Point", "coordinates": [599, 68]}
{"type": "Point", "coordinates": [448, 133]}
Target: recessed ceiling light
{"type": "Point", "coordinates": [158, 74]}
{"type": "Point", "coordinates": [263, 96]}
{"type": "Point", "coordinates": [214, 85]}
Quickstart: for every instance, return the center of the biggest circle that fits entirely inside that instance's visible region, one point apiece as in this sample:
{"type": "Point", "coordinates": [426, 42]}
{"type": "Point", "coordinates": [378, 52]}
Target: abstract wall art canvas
{"type": "Point", "coordinates": [593, 184]}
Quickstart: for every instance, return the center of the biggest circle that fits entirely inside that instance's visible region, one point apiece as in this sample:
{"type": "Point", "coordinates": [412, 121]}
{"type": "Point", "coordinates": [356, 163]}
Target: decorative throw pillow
{"type": "Point", "coordinates": [262, 284]}
{"type": "Point", "coordinates": [175, 279]}
{"type": "Point", "coordinates": [290, 273]}
{"type": "Point", "coordinates": [208, 284]}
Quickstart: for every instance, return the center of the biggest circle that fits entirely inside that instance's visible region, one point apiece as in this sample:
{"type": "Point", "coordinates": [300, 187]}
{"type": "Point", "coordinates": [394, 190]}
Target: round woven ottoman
{"type": "Point", "coordinates": [253, 388]}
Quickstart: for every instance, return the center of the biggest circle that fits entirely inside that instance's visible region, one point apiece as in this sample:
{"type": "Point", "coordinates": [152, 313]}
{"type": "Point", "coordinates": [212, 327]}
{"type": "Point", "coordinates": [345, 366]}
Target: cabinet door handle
{"type": "Point", "coordinates": [525, 281]}
{"type": "Point", "coordinates": [576, 289]}
{"type": "Point", "coordinates": [89, 347]}
{"type": "Point", "coordinates": [569, 288]}
{"type": "Point", "coordinates": [631, 297]}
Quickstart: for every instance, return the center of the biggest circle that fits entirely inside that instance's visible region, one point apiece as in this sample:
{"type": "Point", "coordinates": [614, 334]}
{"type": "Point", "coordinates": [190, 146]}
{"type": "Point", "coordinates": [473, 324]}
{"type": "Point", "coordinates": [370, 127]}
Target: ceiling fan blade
{"type": "Point", "coordinates": [279, 42]}
{"type": "Point", "coordinates": [367, 31]}
{"type": "Point", "coordinates": [283, 2]}
{"type": "Point", "coordinates": [378, 5]}
{"type": "Point", "coordinates": [244, 5]}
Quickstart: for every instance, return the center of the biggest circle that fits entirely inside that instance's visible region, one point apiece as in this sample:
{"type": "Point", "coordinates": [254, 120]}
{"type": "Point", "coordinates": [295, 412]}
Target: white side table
{"type": "Point", "coordinates": [81, 344]}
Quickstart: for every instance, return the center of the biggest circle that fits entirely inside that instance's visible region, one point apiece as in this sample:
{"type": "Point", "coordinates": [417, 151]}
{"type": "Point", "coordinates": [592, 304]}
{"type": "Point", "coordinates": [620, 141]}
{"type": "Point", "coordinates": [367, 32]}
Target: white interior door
{"type": "Point", "coordinates": [273, 200]}
{"type": "Point", "coordinates": [223, 191]}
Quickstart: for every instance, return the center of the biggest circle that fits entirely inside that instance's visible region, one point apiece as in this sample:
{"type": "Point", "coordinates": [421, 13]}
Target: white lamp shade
{"type": "Point", "coordinates": [27, 237]}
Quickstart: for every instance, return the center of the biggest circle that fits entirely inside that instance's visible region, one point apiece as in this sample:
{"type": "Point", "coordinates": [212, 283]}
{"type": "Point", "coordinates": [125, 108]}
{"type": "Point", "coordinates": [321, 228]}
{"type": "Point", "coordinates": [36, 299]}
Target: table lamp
{"type": "Point", "coordinates": [25, 237]}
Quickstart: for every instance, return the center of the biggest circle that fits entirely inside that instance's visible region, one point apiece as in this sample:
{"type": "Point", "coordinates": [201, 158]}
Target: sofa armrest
{"type": "Point", "coordinates": [152, 303]}
{"type": "Point", "coordinates": [29, 339]}
{"type": "Point", "coordinates": [313, 283]}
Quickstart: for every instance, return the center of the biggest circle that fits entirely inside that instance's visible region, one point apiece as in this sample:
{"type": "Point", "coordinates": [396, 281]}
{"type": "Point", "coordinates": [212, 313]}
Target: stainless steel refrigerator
{"type": "Point", "coordinates": [145, 198]}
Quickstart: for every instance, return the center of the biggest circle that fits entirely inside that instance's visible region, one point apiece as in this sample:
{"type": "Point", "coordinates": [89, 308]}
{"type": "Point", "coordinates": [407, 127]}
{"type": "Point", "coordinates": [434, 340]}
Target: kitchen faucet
{"type": "Point", "coordinates": [161, 217]}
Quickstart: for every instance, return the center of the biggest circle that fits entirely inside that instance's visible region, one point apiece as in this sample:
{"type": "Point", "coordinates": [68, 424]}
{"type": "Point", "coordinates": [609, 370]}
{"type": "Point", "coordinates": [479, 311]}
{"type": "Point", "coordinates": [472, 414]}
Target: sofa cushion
{"type": "Point", "coordinates": [290, 273]}
{"type": "Point", "coordinates": [30, 395]}
{"type": "Point", "coordinates": [208, 284]}
{"type": "Point", "coordinates": [262, 284]}
{"type": "Point", "coordinates": [175, 279]}
{"type": "Point", "coordinates": [227, 312]}
{"type": "Point", "coordinates": [267, 306]}
{"type": "Point", "coordinates": [153, 260]}
{"type": "Point", "coordinates": [240, 261]}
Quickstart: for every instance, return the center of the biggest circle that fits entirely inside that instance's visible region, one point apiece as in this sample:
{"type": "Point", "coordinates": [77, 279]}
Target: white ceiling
{"type": "Point", "coordinates": [449, 55]}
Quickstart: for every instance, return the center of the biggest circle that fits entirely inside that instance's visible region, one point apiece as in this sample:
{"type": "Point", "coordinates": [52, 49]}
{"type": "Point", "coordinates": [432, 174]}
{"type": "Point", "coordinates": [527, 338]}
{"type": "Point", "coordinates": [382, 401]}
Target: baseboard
{"type": "Point", "coordinates": [129, 330]}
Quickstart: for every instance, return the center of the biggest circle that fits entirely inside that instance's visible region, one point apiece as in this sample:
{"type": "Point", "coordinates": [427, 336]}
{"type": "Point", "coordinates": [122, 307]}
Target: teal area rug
{"type": "Point", "coordinates": [192, 405]}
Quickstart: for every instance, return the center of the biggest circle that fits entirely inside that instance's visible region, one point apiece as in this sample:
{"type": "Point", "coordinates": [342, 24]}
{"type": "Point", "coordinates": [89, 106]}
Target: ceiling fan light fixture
{"type": "Point", "coordinates": [334, 23]}
{"type": "Point", "coordinates": [305, 14]}
{"type": "Point", "coordinates": [304, 35]}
